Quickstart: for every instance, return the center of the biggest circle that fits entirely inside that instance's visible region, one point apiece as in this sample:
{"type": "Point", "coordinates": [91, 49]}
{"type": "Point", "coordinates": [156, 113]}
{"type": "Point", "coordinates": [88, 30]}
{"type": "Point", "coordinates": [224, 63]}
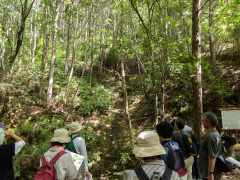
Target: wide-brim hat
{"type": "Point", "coordinates": [61, 136]}
{"type": "Point", "coordinates": [74, 127]}
{"type": "Point", "coordinates": [1, 135]}
{"type": "Point", "coordinates": [148, 145]}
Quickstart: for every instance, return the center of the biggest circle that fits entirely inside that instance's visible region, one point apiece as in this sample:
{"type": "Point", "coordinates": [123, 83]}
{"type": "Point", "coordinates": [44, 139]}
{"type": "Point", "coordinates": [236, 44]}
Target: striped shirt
{"type": "Point", "coordinates": [152, 166]}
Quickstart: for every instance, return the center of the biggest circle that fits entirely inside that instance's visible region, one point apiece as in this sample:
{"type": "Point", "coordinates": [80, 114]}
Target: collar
{"type": "Point", "coordinates": [155, 162]}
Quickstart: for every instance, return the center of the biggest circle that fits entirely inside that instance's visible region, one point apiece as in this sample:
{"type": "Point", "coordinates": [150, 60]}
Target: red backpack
{"type": "Point", "coordinates": [47, 171]}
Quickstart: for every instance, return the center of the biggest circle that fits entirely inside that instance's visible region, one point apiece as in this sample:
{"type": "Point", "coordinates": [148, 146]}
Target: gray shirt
{"type": "Point", "coordinates": [210, 147]}
{"type": "Point", "coordinates": [177, 137]}
{"type": "Point", "coordinates": [81, 149]}
{"type": "Point", "coordinates": [64, 166]}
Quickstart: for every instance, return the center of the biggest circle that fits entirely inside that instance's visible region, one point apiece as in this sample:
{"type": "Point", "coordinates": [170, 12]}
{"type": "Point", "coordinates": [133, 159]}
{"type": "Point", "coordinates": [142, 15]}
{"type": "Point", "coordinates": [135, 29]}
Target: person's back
{"type": "Point", "coordinates": [64, 166]}
{"type": "Point", "coordinates": [149, 148]}
{"type": "Point", "coordinates": [178, 137]}
{"type": "Point", "coordinates": [6, 154]}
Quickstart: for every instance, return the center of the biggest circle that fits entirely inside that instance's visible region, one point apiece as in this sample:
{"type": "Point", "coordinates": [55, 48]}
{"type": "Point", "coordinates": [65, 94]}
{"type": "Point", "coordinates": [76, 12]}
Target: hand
{"type": "Point", "coordinates": [88, 175]}
{"type": "Point", "coordinates": [210, 177]}
{"type": "Point", "coordinates": [7, 132]}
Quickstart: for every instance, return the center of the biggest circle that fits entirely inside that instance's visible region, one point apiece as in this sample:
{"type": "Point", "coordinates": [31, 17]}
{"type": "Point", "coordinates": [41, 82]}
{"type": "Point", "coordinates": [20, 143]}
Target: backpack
{"type": "Point", "coordinates": [156, 175]}
{"type": "Point", "coordinates": [228, 141]}
{"type": "Point", "coordinates": [47, 171]}
{"type": "Point", "coordinates": [189, 145]}
{"type": "Point", "coordinates": [222, 164]}
{"type": "Point", "coordinates": [70, 146]}
{"type": "Point", "coordinates": [175, 159]}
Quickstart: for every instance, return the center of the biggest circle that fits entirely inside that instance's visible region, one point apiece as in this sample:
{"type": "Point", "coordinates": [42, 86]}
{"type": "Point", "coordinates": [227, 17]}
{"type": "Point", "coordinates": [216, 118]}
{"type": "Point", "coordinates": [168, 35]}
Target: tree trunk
{"type": "Point", "coordinates": [211, 38]}
{"type": "Point", "coordinates": [50, 83]}
{"type": "Point", "coordinates": [91, 66]}
{"type": "Point", "coordinates": [69, 37]}
{"type": "Point", "coordinates": [197, 79]}
{"type": "Point", "coordinates": [35, 32]}
{"type": "Point", "coordinates": [73, 56]}
{"type": "Point", "coordinates": [123, 79]}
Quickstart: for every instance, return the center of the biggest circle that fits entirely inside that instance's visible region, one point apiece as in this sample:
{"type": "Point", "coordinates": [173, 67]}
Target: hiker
{"type": "Point", "coordinates": [7, 151]}
{"type": "Point", "coordinates": [176, 161]}
{"type": "Point", "coordinates": [64, 166]}
{"type": "Point", "coordinates": [79, 145]}
{"type": "Point", "coordinates": [149, 148]}
{"type": "Point", "coordinates": [210, 148]}
{"type": "Point", "coordinates": [178, 137]}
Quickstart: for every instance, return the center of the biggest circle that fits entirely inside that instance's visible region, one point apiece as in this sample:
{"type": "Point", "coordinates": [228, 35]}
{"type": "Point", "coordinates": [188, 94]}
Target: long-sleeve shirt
{"type": "Point", "coordinates": [81, 149]}
{"type": "Point", "coordinates": [64, 166]}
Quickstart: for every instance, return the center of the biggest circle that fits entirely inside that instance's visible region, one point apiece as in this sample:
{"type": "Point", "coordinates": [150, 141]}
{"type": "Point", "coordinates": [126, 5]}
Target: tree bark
{"type": "Point", "coordinates": [211, 38]}
{"type": "Point", "coordinates": [123, 79]}
{"type": "Point", "coordinates": [50, 83]}
{"type": "Point", "coordinates": [69, 37]}
{"type": "Point", "coordinates": [197, 79]}
{"type": "Point", "coordinates": [35, 32]}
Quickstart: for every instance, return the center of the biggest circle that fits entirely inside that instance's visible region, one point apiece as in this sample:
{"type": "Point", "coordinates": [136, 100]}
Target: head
{"type": "Point", "coordinates": [60, 137]}
{"type": "Point", "coordinates": [1, 135]}
{"type": "Point", "coordinates": [164, 130]}
{"type": "Point", "coordinates": [179, 124]}
{"type": "Point", "coordinates": [148, 145]}
{"type": "Point", "coordinates": [209, 120]}
{"type": "Point", "coordinates": [74, 128]}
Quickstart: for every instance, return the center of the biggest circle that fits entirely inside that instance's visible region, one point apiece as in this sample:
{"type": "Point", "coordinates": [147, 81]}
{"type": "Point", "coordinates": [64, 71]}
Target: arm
{"type": "Point", "coordinates": [211, 165]}
{"type": "Point", "coordinates": [14, 136]}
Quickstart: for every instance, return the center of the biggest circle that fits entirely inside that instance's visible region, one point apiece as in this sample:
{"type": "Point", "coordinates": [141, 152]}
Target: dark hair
{"type": "Point", "coordinates": [57, 144]}
{"type": "Point", "coordinates": [151, 157]}
{"type": "Point", "coordinates": [180, 123]}
{"type": "Point", "coordinates": [172, 123]}
{"type": "Point", "coordinates": [211, 117]}
{"type": "Point", "coordinates": [164, 129]}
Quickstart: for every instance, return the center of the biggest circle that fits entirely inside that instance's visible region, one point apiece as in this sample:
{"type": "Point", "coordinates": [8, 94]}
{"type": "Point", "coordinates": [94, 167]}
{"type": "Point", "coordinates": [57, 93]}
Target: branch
{"type": "Point", "coordinates": [15, 7]}
{"type": "Point", "coordinates": [136, 10]}
{"type": "Point", "coordinates": [220, 13]}
{"type": "Point", "coordinates": [29, 9]}
{"type": "Point", "coordinates": [203, 6]}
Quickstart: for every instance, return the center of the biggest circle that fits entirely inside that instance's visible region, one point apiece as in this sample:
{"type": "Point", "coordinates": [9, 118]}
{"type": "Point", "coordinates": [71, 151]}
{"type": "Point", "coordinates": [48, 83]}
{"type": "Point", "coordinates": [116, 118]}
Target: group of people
{"type": "Point", "coordinates": [155, 148]}
{"type": "Point", "coordinates": [151, 147]}
{"type": "Point", "coordinates": [64, 167]}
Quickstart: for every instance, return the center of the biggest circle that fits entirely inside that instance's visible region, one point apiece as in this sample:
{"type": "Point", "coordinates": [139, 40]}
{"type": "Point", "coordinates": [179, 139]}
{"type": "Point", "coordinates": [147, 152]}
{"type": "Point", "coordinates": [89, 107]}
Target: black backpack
{"type": "Point", "coordinates": [175, 158]}
{"type": "Point", "coordinates": [156, 175]}
{"type": "Point", "coordinates": [228, 141]}
{"type": "Point", "coordinates": [189, 145]}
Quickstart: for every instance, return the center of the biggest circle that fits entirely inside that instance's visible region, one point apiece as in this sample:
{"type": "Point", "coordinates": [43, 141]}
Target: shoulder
{"type": "Point", "coordinates": [131, 175]}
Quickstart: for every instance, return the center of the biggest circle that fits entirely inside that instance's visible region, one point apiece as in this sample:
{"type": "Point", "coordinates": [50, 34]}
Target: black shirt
{"type": "Point", "coordinates": [6, 166]}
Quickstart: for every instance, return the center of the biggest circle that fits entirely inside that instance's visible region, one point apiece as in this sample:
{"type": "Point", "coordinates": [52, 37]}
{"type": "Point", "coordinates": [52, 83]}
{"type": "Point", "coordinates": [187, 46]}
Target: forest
{"type": "Point", "coordinates": [117, 67]}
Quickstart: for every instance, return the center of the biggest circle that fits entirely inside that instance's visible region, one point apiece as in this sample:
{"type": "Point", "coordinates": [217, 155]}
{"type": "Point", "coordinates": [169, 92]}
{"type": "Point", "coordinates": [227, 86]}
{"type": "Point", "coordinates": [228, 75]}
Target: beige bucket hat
{"type": "Point", "coordinates": [61, 135]}
{"type": "Point", "coordinates": [1, 135]}
{"type": "Point", "coordinates": [148, 145]}
{"type": "Point", "coordinates": [74, 127]}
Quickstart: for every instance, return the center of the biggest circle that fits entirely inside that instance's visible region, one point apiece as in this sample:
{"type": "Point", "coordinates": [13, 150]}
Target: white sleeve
{"type": "Point", "coordinates": [18, 146]}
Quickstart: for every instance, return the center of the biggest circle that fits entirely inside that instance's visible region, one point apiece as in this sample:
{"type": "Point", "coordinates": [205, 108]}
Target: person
{"type": "Point", "coordinates": [7, 151]}
{"type": "Point", "coordinates": [149, 148]}
{"type": "Point", "coordinates": [165, 131]}
{"type": "Point", "coordinates": [178, 126]}
{"type": "Point", "coordinates": [64, 166]}
{"type": "Point", "coordinates": [210, 148]}
{"type": "Point", "coordinates": [79, 145]}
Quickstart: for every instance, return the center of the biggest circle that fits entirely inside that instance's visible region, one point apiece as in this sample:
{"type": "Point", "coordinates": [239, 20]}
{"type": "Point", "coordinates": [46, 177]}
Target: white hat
{"type": "Point", "coordinates": [148, 144]}
{"type": "Point", "coordinates": [61, 135]}
{"type": "Point", "coordinates": [74, 127]}
{"type": "Point", "coordinates": [1, 135]}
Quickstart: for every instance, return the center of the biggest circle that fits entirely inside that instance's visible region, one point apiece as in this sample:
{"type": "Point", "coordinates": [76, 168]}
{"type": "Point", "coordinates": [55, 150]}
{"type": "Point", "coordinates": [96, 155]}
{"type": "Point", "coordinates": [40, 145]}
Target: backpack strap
{"type": "Point", "coordinates": [141, 173]}
{"type": "Point", "coordinates": [167, 174]}
{"type": "Point", "coordinates": [72, 138]}
{"type": "Point", "coordinates": [43, 160]}
{"type": "Point", "coordinates": [58, 156]}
